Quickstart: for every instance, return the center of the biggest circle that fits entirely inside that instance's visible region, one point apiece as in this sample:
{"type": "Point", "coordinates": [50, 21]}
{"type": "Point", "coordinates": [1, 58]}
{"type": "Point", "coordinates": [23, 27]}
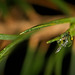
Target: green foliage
{"type": "Point", "coordinates": [5, 5]}
{"type": "Point", "coordinates": [39, 60]}
{"type": "Point", "coordinates": [3, 8]}
{"type": "Point", "coordinates": [62, 6]}
{"type": "Point", "coordinates": [7, 37]}
{"type": "Point", "coordinates": [5, 52]}
{"type": "Point", "coordinates": [34, 63]}
{"type": "Point", "coordinates": [23, 4]}
{"type": "Point", "coordinates": [72, 66]}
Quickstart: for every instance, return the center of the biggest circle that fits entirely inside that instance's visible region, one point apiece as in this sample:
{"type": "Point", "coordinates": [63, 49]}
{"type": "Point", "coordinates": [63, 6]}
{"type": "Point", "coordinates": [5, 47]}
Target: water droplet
{"type": "Point", "coordinates": [58, 49]}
